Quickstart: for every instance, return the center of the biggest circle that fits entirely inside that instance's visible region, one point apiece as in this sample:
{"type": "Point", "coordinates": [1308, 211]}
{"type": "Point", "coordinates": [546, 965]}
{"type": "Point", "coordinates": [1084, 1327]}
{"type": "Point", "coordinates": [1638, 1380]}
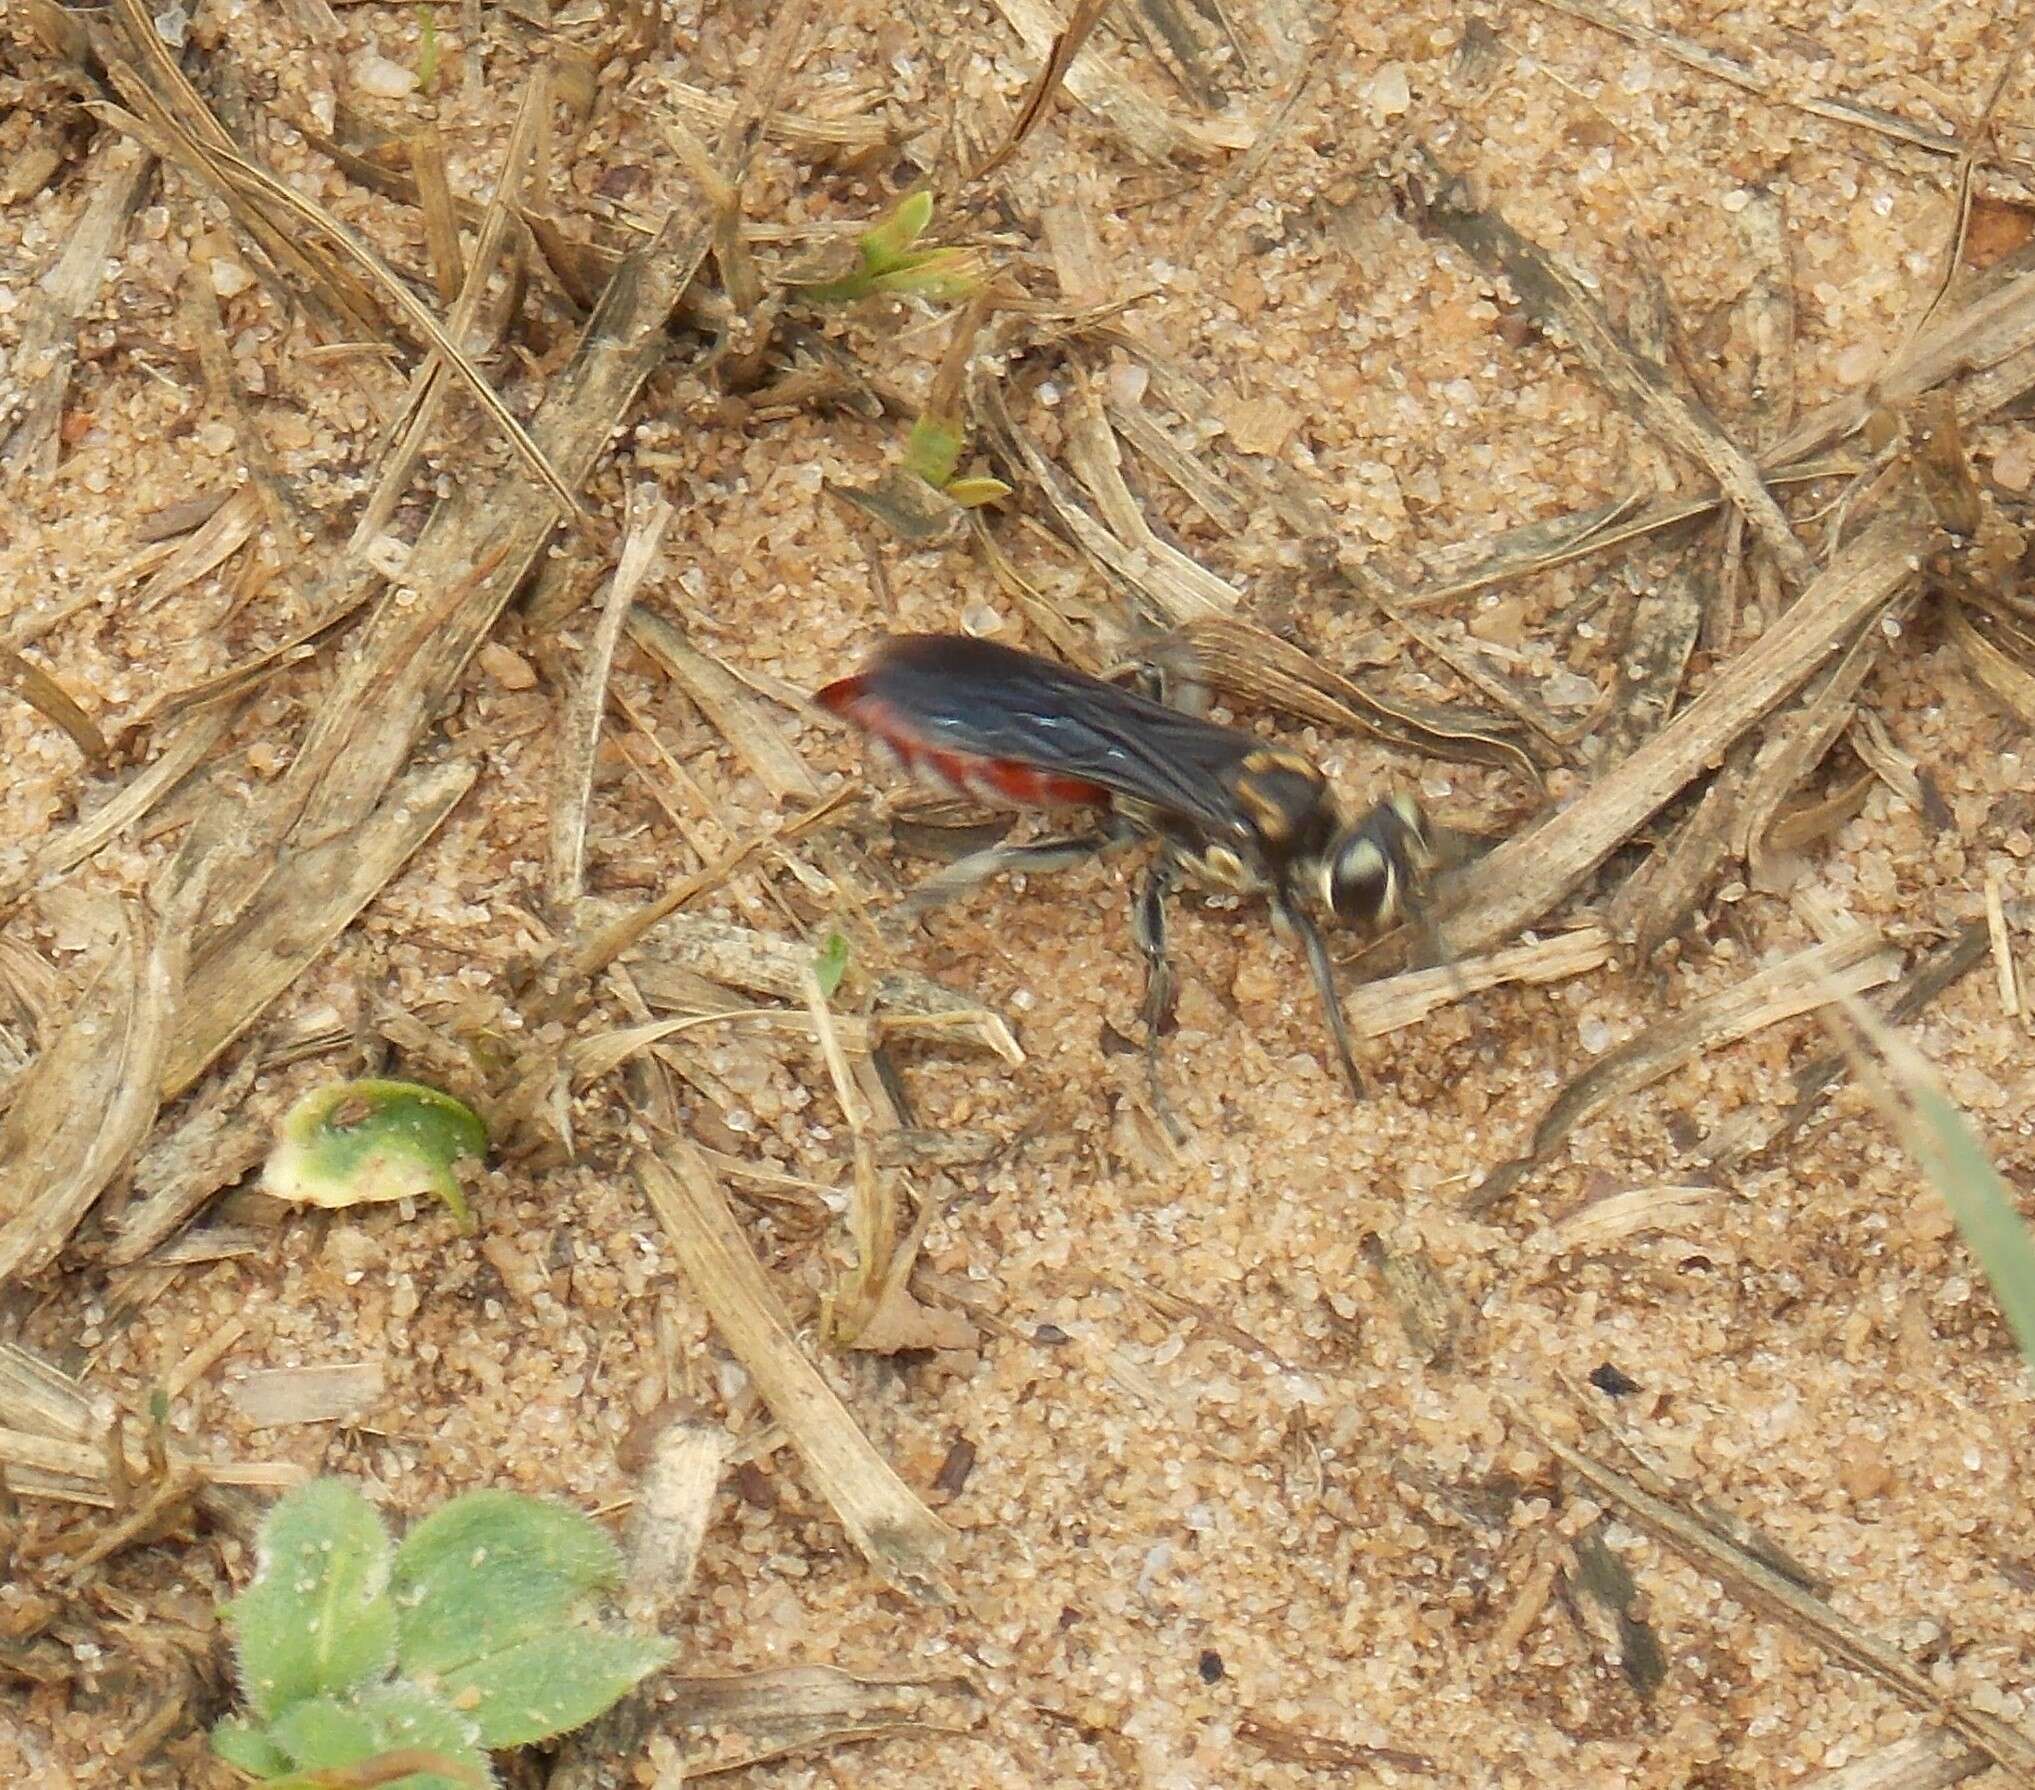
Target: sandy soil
{"type": "Point", "coordinates": [1226, 1479]}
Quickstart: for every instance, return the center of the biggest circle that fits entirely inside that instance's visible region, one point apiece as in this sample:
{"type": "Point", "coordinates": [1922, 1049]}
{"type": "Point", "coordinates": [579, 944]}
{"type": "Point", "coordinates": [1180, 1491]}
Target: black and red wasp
{"type": "Point", "coordinates": [1229, 812]}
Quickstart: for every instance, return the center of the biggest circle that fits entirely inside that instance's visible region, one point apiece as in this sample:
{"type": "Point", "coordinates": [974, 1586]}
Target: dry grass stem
{"type": "Point", "coordinates": [1560, 302]}
{"type": "Point", "coordinates": [45, 352]}
{"type": "Point", "coordinates": [579, 735]}
{"type": "Point", "coordinates": [1146, 129]}
{"type": "Point", "coordinates": [1797, 984]}
{"type": "Point", "coordinates": [1754, 1582]}
{"type": "Point", "coordinates": [882, 1515]}
{"type": "Point", "coordinates": [260, 956]}
{"type": "Point", "coordinates": [1522, 878]}
{"type": "Point", "coordinates": [1377, 1008]}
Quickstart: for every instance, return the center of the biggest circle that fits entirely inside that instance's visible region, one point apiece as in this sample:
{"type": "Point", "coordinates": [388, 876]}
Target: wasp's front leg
{"type": "Point", "coordinates": [1295, 920]}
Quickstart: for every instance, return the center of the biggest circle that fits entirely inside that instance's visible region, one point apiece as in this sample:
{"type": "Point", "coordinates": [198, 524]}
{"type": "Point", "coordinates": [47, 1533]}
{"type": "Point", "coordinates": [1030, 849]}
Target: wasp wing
{"type": "Point", "coordinates": [986, 701]}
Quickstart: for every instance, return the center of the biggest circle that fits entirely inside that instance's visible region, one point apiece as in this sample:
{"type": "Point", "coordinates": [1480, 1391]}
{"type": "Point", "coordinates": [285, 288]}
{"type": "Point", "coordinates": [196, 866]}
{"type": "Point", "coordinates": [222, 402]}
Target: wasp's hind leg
{"type": "Point", "coordinates": [1148, 924]}
{"type": "Point", "coordinates": [998, 860]}
{"type": "Point", "coordinates": [1297, 922]}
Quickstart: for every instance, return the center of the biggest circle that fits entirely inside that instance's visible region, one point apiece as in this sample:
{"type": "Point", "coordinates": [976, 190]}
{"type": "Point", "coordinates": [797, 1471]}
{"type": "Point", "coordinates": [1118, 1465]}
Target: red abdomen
{"type": "Point", "coordinates": [970, 775]}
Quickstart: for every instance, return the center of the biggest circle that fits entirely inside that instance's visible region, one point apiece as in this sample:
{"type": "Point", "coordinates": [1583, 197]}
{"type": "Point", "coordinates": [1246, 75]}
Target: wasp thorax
{"type": "Point", "coordinates": [1369, 870]}
{"type": "Point", "coordinates": [1280, 793]}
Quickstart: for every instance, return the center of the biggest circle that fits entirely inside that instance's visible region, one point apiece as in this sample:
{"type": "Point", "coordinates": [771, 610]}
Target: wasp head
{"type": "Point", "coordinates": [1370, 868]}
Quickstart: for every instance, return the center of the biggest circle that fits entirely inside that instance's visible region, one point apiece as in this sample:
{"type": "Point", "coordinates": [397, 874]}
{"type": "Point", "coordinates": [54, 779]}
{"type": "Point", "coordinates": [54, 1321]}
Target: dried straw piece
{"type": "Point", "coordinates": [835, 131]}
{"type": "Point", "coordinates": [308, 904]}
{"type": "Point", "coordinates": [882, 1515]}
{"type": "Point", "coordinates": [740, 958]}
{"type": "Point", "coordinates": [1930, 1760]}
{"type": "Point", "coordinates": [1200, 486]}
{"type": "Point", "coordinates": [1796, 984]}
{"type": "Point", "coordinates": [1165, 593]}
{"type": "Point", "coordinates": [206, 328]}
{"type": "Point", "coordinates": [69, 846]}
{"type": "Point", "coordinates": [1149, 133]}
{"type": "Point", "coordinates": [666, 1528]}
{"type": "Point", "coordinates": [1736, 74]}
{"type": "Point", "coordinates": [473, 553]}
{"type": "Point", "coordinates": [1659, 641]}
{"type": "Point", "coordinates": [1560, 302]}
{"type": "Point", "coordinates": [1241, 657]}
{"type": "Point", "coordinates": [404, 442]}
{"type": "Point", "coordinates": [1993, 332]}
{"type": "Point", "coordinates": [53, 703]}
{"type": "Point", "coordinates": [211, 1146]}
{"type": "Point", "coordinates": [1404, 1000]}
{"type": "Point", "coordinates": [1999, 652]}
{"type": "Point", "coordinates": [1524, 876]}
{"type": "Point", "coordinates": [718, 694]}
{"type": "Point", "coordinates": [579, 734]}
{"type": "Point", "coordinates": [333, 1392]}
{"type": "Point", "coordinates": [46, 350]}
{"type": "Point", "coordinates": [209, 546]}
{"type": "Point", "coordinates": [1751, 1581]}
{"type": "Point", "coordinates": [798, 1710]}
{"type": "Point", "coordinates": [81, 1111]}
{"type": "Point", "coordinates": [1052, 74]}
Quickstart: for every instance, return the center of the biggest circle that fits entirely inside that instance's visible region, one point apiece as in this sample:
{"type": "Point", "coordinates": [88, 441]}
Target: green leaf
{"type": "Point", "coordinates": [386, 1722]}
{"type": "Point", "coordinates": [490, 1570]}
{"type": "Point", "coordinates": [321, 1732]}
{"type": "Point", "coordinates": [947, 274]}
{"type": "Point", "coordinates": [933, 450]}
{"type": "Point", "coordinates": [244, 1745]}
{"type": "Point", "coordinates": [318, 1619]}
{"type": "Point", "coordinates": [830, 964]}
{"type": "Point", "coordinates": [551, 1684]}
{"type": "Point", "coordinates": [1978, 1199]}
{"type": "Point", "coordinates": [358, 1141]}
{"type": "Point", "coordinates": [885, 246]}
{"type": "Point", "coordinates": [973, 493]}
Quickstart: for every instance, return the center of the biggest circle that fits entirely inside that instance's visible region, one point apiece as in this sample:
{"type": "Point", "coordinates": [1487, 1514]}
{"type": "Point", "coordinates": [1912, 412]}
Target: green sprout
{"type": "Point", "coordinates": [359, 1141]}
{"type": "Point", "coordinates": [427, 49]}
{"type": "Point", "coordinates": [406, 1666]}
{"type": "Point", "coordinates": [890, 264]}
{"type": "Point", "coordinates": [830, 963]}
{"type": "Point", "coordinates": [933, 452]}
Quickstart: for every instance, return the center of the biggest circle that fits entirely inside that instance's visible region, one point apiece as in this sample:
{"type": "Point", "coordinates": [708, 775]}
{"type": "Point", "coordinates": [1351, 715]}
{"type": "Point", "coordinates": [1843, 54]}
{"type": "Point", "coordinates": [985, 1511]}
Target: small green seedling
{"type": "Point", "coordinates": [427, 49]}
{"type": "Point", "coordinates": [368, 1664]}
{"type": "Point", "coordinates": [360, 1141]}
{"type": "Point", "coordinates": [891, 265]}
{"type": "Point", "coordinates": [933, 452]}
{"type": "Point", "coordinates": [830, 963]}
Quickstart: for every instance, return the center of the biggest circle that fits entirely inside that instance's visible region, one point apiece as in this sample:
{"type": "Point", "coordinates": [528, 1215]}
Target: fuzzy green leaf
{"type": "Point", "coordinates": [493, 1569]}
{"type": "Point", "coordinates": [551, 1684]}
{"type": "Point", "coordinates": [318, 1619]}
{"type": "Point", "coordinates": [359, 1141]}
{"type": "Point", "coordinates": [386, 1721]}
{"type": "Point", "coordinates": [248, 1747]}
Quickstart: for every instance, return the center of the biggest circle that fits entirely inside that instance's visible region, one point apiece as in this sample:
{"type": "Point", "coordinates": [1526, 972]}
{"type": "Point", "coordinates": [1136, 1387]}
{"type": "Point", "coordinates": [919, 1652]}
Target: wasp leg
{"type": "Point", "coordinates": [1148, 924]}
{"type": "Point", "coordinates": [1304, 929]}
{"type": "Point", "coordinates": [996, 860]}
